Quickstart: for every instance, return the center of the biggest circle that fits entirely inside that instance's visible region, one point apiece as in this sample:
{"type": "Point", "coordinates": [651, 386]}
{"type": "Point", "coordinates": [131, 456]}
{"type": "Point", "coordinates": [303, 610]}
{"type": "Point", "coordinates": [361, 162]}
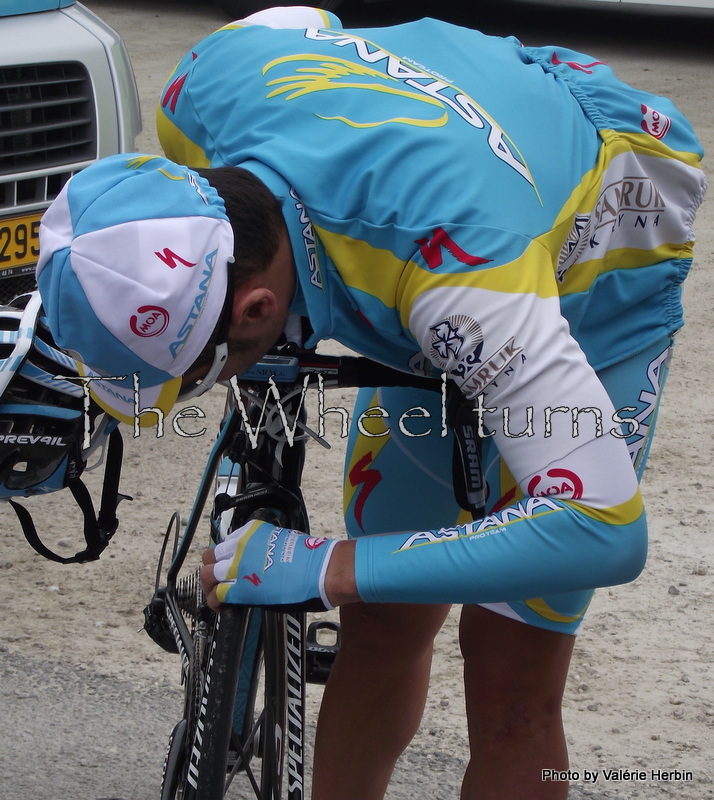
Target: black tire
{"type": "Point", "coordinates": [234, 749]}
{"type": "Point", "coordinates": [238, 9]}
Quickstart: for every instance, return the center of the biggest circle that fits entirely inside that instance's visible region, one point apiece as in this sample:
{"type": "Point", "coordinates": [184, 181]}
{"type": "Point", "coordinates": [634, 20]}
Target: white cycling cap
{"type": "Point", "coordinates": [133, 277]}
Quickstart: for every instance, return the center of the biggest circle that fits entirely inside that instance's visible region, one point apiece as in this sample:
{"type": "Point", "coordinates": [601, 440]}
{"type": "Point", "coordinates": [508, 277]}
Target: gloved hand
{"type": "Point", "coordinates": [261, 565]}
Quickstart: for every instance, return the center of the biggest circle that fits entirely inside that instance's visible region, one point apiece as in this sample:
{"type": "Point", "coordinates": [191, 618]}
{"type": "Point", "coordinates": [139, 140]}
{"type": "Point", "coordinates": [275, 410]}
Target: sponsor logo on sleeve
{"type": "Point", "coordinates": [556, 482]}
{"type": "Point", "coordinates": [492, 368]}
{"type": "Point", "coordinates": [457, 344]}
{"type": "Point", "coordinates": [488, 526]}
{"type": "Point", "coordinates": [453, 335]}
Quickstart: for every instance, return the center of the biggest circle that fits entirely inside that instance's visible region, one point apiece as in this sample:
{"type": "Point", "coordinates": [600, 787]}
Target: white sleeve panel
{"type": "Point", "coordinates": [543, 403]}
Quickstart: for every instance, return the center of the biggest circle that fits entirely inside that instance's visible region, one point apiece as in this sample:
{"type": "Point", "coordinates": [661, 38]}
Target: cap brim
{"type": "Point", "coordinates": [128, 405]}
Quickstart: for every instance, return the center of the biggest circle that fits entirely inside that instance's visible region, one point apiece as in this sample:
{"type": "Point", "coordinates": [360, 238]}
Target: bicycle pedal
{"type": "Point", "coordinates": [319, 656]}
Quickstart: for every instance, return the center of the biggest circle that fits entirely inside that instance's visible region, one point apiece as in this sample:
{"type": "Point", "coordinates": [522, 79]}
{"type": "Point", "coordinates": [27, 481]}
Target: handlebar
{"type": "Point", "coordinates": [290, 365]}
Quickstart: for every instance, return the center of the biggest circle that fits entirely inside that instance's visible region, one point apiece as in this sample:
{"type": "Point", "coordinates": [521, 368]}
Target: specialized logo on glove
{"type": "Point", "coordinates": [254, 579]}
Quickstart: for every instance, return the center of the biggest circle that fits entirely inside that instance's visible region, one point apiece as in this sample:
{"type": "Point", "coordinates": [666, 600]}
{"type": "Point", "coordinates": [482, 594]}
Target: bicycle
{"type": "Point", "coordinates": [245, 669]}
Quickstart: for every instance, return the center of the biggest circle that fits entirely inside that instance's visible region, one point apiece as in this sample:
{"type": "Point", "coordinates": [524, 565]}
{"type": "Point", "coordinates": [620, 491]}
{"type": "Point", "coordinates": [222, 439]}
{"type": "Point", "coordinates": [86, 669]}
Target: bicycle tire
{"type": "Point", "coordinates": [234, 749]}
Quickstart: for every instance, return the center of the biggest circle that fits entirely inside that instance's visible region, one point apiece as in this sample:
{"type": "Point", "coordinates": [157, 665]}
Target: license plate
{"type": "Point", "coordinates": [19, 242]}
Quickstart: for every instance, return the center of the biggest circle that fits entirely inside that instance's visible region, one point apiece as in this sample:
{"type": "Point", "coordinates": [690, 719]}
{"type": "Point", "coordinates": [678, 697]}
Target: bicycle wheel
{"type": "Point", "coordinates": [232, 742]}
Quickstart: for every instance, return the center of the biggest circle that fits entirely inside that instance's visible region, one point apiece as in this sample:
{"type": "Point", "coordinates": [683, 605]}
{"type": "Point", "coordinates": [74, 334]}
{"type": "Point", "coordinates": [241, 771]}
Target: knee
{"type": "Point", "coordinates": [510, 714]}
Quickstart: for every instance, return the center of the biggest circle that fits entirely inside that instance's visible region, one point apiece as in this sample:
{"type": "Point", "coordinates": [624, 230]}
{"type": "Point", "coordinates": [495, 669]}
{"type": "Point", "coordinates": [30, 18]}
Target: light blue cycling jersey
{"type": "Point", "coordinates": [515, 217]}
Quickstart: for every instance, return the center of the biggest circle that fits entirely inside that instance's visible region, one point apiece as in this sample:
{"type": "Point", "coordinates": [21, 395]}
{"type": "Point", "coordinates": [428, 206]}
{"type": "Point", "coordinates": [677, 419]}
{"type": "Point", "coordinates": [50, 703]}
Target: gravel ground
{"type": "Point", "coordinates": [78, 733]}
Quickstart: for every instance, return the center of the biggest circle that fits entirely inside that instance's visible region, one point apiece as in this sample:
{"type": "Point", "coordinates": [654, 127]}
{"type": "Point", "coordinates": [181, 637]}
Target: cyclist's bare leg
{"type": "Point", "coordinates": [374, 699]}
{"type": "Point", "coordinates": [514, 677]}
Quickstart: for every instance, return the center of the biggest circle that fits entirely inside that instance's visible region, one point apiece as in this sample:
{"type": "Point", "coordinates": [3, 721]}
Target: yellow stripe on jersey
{"type": "Point", "coordinates": [369, 269]}
{"type": "Point", "coordinates": [622, 514]}
{"type": "Point", "coordinates": [581, 279]}
{"type": "Point", "coordinates": [379, 273]}
{"type": "Point", "coordinates": [647, 145]}
{"type": "Point", "coordinates": [530, 273]}
{"type": "Point", "coordinates": [177, 146]}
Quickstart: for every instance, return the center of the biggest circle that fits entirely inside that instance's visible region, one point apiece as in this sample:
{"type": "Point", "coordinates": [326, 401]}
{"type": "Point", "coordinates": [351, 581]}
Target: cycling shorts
{"type": "Point", "coordinates": [398, 469]}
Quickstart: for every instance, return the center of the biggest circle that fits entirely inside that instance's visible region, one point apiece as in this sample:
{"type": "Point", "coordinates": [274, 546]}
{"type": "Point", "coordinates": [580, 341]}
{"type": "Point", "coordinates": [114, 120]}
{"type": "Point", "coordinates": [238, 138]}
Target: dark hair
{"type": "Point", "coordinates": [257, 220]}
{"type": "Point", "coordinates": [255, 215]}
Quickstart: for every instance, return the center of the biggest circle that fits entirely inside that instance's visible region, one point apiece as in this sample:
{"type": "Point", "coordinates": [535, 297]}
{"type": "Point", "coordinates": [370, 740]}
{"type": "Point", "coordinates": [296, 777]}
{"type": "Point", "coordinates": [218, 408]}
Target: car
{"type": "Point", "coordinates": [662, 7]}
{"type": "Point", "coordinates": [241, 8]}
{"type": "Point", "coordinates": [67, 97]}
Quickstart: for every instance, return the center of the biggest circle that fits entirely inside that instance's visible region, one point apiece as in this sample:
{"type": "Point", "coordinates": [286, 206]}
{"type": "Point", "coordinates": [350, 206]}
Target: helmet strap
{"type": "Point", "coordinates": [98, 528]}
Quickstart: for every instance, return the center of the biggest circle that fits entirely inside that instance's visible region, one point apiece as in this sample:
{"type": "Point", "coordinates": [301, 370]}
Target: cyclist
{"type": "Point", "coordinates": [438, 200]}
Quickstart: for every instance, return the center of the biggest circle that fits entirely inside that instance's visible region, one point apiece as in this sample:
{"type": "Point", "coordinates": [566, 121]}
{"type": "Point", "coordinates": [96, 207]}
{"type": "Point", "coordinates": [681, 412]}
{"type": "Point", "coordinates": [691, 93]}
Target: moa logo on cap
{"type": "Point", "coordinates": [149, 321]}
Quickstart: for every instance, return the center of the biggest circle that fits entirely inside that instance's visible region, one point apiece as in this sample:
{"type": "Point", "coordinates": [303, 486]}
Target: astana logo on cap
{"type": "Point", "coordinates": [153, 321]}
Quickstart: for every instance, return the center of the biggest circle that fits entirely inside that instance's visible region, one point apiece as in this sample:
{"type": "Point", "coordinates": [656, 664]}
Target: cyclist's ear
{"type": "Point", "coordinates": [252, 309]}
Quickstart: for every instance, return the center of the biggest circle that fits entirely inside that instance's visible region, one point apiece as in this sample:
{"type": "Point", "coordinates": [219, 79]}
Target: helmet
{"type": "Point", "coordinates": [48, 430]}
{"type": "Point", "coordinates": [42, 420]}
